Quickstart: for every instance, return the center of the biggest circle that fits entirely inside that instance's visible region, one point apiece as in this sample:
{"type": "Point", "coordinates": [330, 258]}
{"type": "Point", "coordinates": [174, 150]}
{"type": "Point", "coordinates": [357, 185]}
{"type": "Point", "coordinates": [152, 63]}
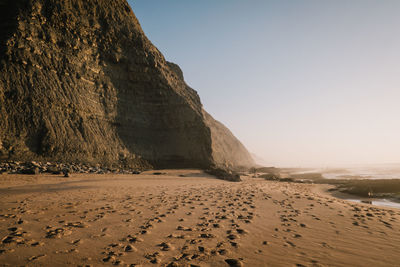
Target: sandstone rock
{"type": "Point", "coordinates": [80, 82]}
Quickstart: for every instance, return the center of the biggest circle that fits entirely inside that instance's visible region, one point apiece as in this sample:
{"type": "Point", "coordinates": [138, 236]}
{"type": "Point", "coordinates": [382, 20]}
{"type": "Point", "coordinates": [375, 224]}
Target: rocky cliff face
{"type": "Point", "coordinates": [79, 81]}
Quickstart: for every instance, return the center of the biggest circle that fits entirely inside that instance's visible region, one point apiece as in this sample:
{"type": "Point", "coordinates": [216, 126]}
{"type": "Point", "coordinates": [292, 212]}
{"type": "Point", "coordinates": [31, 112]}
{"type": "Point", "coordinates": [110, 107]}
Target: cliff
{"type": "Point", "coordinates": [79, 81]}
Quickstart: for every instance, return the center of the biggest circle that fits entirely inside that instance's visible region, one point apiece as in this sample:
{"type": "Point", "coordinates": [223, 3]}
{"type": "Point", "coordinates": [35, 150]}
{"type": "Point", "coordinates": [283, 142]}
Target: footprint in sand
{"type": "Point", "coordinates": [33, 258]}
{"type": "Point", "coordinates": [165, 246]}
{"type": "Point", "coordinates": [234, 262]}
{"type": "Point", "coordinates": [130, 248]}
{"type": "Point", "coordinates": [16, 235]}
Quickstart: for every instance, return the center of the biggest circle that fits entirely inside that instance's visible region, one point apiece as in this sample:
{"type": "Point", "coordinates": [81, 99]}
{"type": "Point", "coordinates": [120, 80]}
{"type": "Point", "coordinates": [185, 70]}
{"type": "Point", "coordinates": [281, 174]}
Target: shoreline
{"type": "Point", "coordinates": [327, 190]}
{"type": "Point", "coordinates": [355, 189]}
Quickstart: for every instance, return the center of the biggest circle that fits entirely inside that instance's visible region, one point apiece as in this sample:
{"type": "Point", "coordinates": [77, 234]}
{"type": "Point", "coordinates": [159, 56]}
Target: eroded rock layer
{"type": "Point", "coordinates": [79, 81]}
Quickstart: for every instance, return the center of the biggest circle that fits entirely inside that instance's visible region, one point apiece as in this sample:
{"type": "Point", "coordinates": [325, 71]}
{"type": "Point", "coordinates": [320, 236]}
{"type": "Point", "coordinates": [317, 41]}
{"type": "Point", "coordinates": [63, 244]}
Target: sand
{"type": "Point", "coordinates": [196, 220]}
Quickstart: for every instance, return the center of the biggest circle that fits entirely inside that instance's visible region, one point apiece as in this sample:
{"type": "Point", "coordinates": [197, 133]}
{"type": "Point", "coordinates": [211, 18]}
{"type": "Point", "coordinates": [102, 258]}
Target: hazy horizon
{"type": "Point", "coordinates": [300, 83]}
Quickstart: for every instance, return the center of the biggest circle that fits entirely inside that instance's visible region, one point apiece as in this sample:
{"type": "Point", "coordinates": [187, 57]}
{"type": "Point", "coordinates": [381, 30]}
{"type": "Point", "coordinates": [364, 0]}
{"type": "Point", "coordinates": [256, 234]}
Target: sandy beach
{"type": "Point", "coordinates": [187, 218]}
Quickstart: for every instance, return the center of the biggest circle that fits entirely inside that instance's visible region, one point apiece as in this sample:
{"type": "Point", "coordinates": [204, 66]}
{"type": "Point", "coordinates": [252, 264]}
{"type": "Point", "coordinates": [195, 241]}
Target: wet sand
{"type": "Point", "coordinates": [196, 220]}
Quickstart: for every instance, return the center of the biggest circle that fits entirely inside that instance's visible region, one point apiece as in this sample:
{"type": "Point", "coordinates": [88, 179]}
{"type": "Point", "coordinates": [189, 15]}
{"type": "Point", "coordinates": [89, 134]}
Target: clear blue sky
{"type": "Point", "coordinates": [299, 82]}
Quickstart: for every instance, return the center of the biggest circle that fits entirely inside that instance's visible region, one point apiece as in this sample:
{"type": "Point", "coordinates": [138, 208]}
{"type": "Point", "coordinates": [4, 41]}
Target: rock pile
{"type": "Point", "coordinates": [224, 174]}
{"type": "Point", "coordinates": [33, 167]}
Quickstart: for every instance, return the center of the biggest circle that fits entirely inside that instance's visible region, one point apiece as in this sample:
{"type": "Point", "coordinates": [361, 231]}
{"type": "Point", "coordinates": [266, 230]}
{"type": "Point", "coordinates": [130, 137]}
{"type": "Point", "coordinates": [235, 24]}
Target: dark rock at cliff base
{"type": "Point", "coordinates": [80, 82]}
{"type": "Point", "coordinates": [224, 174]}
{"type": "Point", "coordinates": [32, 170]}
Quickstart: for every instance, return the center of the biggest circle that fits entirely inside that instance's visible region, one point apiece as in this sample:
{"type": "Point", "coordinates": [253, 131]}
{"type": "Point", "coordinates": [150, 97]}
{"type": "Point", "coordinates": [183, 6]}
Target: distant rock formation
{"type": "Point", "coordinates": [80, 82]}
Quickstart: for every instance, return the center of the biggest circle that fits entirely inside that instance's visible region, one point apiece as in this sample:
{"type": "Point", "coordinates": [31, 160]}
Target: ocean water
{"type": "Point", "coordinates": [365, 172]}
{"type": "Point", "coordinates": [368, 172]}
{"type": "Point", "coordinates": [379, 202]}
{"type": "Point", "coordinates": [373, 172]}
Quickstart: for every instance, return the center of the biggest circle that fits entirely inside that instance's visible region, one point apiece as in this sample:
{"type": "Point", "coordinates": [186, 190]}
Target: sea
{"type": "Point", "coordinates": [373, 172]}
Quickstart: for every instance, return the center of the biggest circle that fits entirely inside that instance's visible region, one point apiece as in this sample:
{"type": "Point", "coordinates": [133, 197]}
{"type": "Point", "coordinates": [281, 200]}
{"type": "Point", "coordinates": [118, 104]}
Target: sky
{"type": "Point", "coordinates": [301, 83]}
